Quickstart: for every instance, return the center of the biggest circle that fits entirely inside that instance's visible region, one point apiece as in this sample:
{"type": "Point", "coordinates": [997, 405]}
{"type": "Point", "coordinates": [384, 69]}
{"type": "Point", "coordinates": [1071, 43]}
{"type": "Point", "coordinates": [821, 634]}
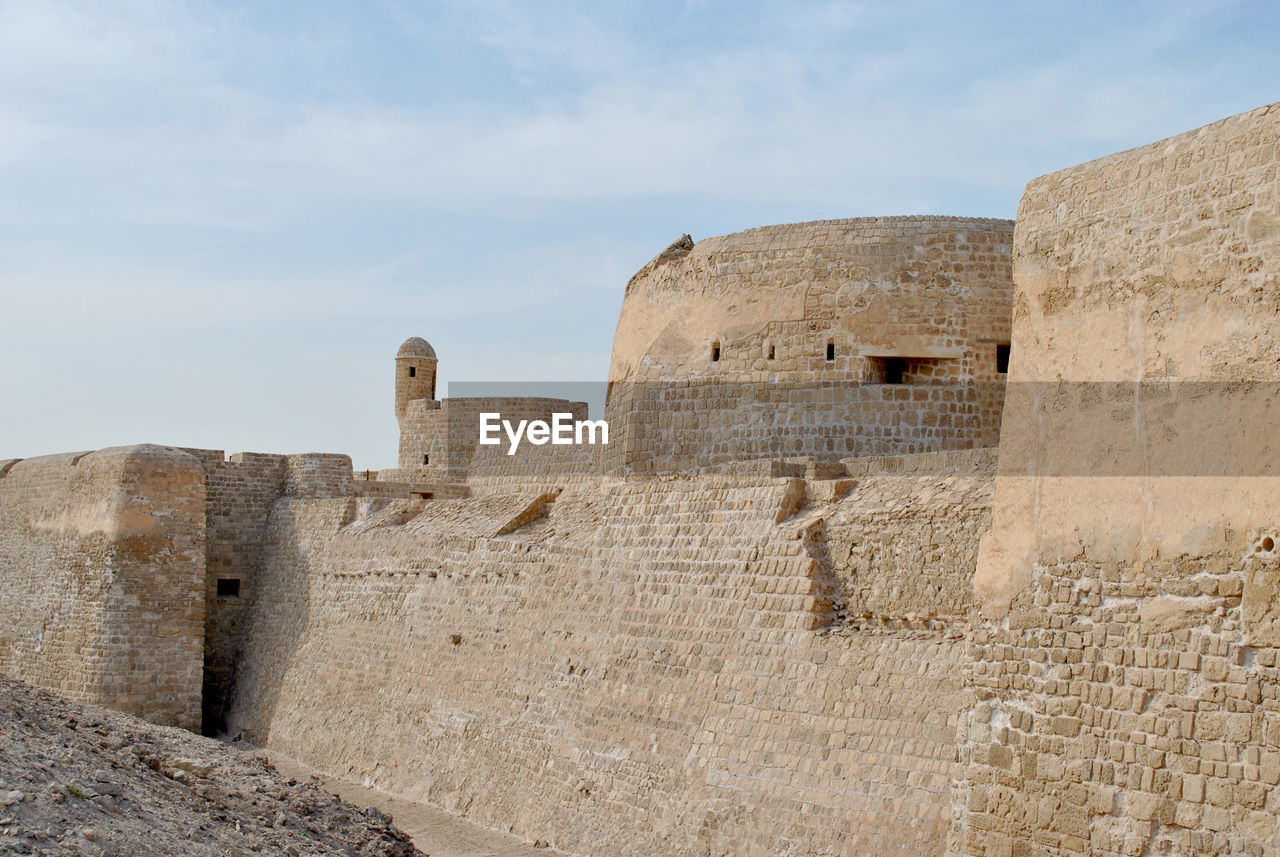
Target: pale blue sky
{"type": "Point", "coordinates": [218, 220]}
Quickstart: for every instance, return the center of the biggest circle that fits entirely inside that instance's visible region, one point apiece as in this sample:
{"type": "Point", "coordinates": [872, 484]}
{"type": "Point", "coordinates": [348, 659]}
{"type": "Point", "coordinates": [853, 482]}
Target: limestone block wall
{"type": "Point", "coordinates": [1125, 669]}
{"type": "Point", "coordinates": [398, 485]}
{"type": "Point", "coordinates": [318, 474]}
{"type": "Point", "coordinates": [102, 578]}
{"type": "Point", "coordinates": [765, 324]}
{"type": "Point", "coordinates": [925, 287]}
{"type": "Point", "coordinates": [698, 424]}
{"type": "Point", "coordinates": [630, 667]}
{"type": "Point", "coordinates": [240, 491]}
{"type": "Point", "coordinates": [905, 543]}
{"type": "Point", "coordinates": [239, 494]}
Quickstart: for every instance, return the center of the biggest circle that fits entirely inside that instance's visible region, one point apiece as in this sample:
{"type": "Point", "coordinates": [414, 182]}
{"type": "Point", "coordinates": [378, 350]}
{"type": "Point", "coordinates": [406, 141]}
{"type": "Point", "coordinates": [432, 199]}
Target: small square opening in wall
{"type": "Point", "coordinates": [413, 371]}
{"type": "Point", "coordinates": [831, 351]}
{"type": "Point", "coordinates": [1002, 358]}
{"type": "Point", "coordinates": [909, 370]}
{"type": "Point", "coordinates": [228, 587]}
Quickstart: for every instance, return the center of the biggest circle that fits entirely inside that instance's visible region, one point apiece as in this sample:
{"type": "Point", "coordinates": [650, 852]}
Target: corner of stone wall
{"type": "Point", "coordinates": [103, 557]}
{"type": "Point", "coordinates": [1117, 667]}
{"type": "Point", "coordinates": [315, 475]}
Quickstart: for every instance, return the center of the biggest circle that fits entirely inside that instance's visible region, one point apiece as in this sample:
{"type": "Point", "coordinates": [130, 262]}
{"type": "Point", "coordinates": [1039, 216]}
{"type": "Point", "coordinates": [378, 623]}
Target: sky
{"type": "Point", "coordinates": [219, 220]}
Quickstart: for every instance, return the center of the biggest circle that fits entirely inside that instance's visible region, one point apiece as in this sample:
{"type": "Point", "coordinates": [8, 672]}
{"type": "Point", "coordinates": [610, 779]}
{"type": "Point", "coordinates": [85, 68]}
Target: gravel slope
{"type": "Point", "coordinates": [78, 779]}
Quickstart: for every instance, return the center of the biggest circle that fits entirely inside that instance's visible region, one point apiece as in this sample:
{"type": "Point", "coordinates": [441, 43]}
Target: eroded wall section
{"type": "Point", "coordinates": [102, 578]}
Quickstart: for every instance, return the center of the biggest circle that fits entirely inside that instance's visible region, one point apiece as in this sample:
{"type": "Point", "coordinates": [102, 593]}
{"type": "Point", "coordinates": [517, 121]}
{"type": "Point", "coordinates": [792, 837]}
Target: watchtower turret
{"type": "Point", "coordinates": [415, 373]}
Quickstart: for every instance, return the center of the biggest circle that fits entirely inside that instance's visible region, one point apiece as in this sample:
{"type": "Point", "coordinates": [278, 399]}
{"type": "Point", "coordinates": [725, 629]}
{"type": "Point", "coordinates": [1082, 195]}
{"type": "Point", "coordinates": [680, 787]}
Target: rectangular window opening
{"type": "Point", "coordinates": [909, 370]}
{"type": "Point", "coordinates": [426, 458]}
{"type": "Point", "coordinates": [413, 371]}
{"type": "Point", "coordinates": [715, 352]}
{"type": "Point", "coordinates": [831, 351]}
{"type": "Point", "coordinates": [771, 352]}
{"type": "Point", "coordinates": [1002, 358]}
{"type": "Point", "coordinates": [228, 587]}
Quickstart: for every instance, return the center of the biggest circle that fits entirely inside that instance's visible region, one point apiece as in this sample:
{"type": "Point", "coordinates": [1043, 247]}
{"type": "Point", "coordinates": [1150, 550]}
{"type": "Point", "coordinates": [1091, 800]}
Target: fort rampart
{"type": "Point", "coordinates": [439, 438]}
{"type": "Point", "coordinates": [718, 662]}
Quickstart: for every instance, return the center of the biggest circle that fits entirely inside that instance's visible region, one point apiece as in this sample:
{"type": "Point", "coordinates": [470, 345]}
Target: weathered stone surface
{"type": "Point", "coordinates": [667, 666]}
{"type": "Point", "coordinates": [102, 566]}
{"type": "Point", "coordinates": [1135, 497]}
{"type": "Point", "coordinates": [1261, 591]}
{"type": "Point", "coordinates": [778, 342]}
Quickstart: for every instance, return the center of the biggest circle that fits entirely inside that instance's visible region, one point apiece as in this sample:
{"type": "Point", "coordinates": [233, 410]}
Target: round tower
{"type": "Point", "coordinates": [415, 373]}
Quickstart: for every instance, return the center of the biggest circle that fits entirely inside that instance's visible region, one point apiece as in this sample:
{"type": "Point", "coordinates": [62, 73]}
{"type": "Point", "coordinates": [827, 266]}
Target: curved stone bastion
{"type": "Point", "coordinates": [830, 339]}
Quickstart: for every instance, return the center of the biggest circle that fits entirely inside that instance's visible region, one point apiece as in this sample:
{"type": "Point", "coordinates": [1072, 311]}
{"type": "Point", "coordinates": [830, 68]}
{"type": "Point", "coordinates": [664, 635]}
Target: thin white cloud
{"type": "Point", "coordinates": [417, 284]}
{"type": "Point", "coordinates": [745, 126]}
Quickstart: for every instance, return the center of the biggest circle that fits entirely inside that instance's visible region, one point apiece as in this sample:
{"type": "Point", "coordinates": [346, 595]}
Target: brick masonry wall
{"type": "Point", "coordinates": [631, 667]}
{"type": "Point", "coordinates": [1125, 667]}
{"type": "Point", "coordinates": [102, 578]}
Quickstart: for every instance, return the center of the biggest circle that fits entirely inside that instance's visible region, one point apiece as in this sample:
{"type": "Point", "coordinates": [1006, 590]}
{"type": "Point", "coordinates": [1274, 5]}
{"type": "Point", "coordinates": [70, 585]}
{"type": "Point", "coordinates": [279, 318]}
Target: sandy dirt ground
{"type": "Point", "coordinates": [434, 831]}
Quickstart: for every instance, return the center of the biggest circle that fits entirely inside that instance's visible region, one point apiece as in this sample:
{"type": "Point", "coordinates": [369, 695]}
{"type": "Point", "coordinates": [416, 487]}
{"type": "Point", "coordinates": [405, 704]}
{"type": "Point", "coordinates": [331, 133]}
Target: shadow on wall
{"type": "Point", "coordinates": [277, 635]}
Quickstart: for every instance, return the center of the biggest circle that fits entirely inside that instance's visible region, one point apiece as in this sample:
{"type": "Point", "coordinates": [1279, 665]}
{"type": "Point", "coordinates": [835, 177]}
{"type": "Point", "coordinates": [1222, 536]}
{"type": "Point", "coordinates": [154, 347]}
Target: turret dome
{"type": "Point", "coordinates": [416, 346]}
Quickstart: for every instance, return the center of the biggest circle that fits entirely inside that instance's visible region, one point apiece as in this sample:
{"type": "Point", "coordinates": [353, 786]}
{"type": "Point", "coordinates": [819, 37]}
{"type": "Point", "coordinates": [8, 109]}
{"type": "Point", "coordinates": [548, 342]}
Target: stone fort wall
{"type": "Point", "coordinates": [239, 494]}
{"type": "Point", "coordinates": [116, 570]}
{"type": "Point", "coordinates": [1126, 670]}
{"type": "Point", "coordinates": [828, 340]}
{"type": "Point", "coordinates": [102, 565]}
{"type": "Point", "coordinates": [730, 662]}
{"type": "Point", "coordinates": [240, 491]}
{"type": "Point", "coordinates": [661, 427]}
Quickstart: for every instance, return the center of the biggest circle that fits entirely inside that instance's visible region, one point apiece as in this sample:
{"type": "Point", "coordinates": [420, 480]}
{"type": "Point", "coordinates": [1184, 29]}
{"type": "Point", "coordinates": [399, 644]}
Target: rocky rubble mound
{"type": "Point", "coordinates": [77, 779]}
